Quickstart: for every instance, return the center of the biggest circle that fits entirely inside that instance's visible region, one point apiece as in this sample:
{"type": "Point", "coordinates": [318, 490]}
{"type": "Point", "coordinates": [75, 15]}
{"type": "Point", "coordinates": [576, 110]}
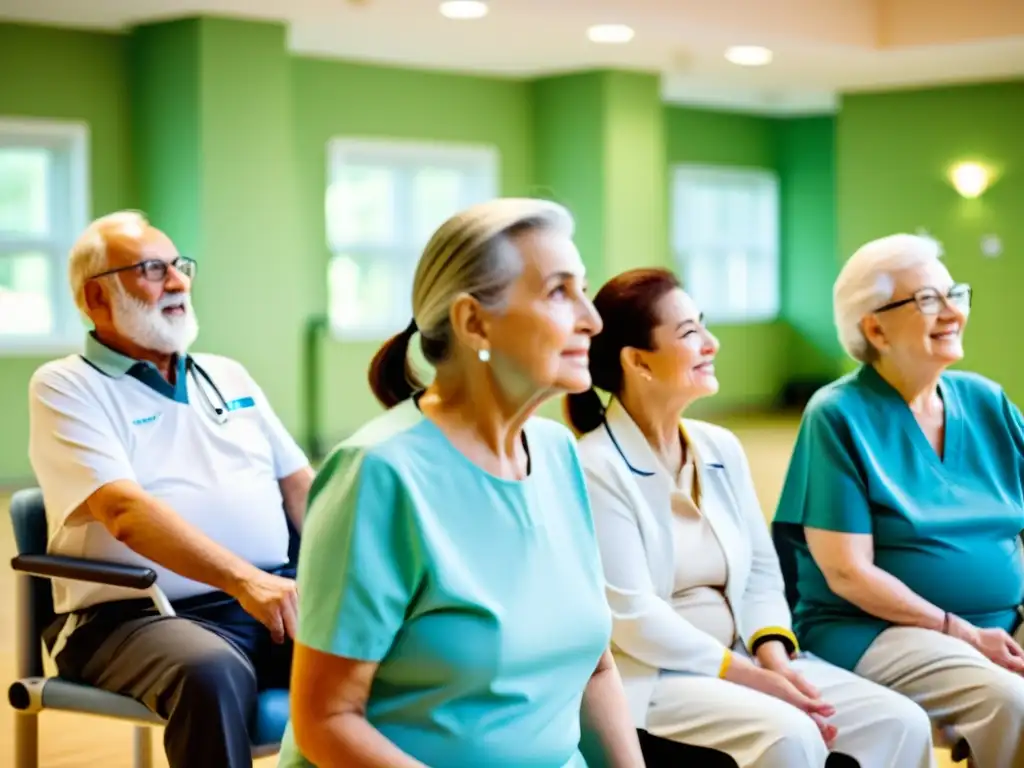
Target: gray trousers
{"type": "Point", "coordinates": [957, 686]}
{"type": "Point", "coordinates": [201, 671]}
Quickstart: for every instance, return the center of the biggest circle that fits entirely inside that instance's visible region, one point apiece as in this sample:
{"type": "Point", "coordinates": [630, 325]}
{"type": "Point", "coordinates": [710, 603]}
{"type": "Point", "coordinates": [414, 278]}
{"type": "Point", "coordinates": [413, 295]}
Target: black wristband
{"type": "Point", "coordinates": [786, 642]}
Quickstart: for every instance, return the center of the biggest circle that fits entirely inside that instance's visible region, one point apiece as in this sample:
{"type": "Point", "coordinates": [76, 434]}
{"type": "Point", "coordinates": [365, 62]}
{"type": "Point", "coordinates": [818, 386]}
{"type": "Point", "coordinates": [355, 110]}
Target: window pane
{"type": "Point", "coordinates": [361, 207]}
{"type": "Point", "coordinates": [384, 202]}
{"type": "Point", "coordinates": [763, 282]}
{"type": "Point", "coordinates": [23, 191]}
{"type": "Point", "coordinates": [437, 194]}
{"type": "Point", "coordinates": [704, 281]}
{"type": "Point", "coordinates": [25, 308]}
{"type": "Point", "coordinates": [768, 219]}
{"type": "Point", "coordinates": [367, 293]}
{"type": "Point", "coordinates": [702, 216]}
{"type": "Point", "coordinates": [738, 286]}
{"type": "Point", "coordinates": [739, 208]}
{"type": "Point", "coordinates": [726, 220]}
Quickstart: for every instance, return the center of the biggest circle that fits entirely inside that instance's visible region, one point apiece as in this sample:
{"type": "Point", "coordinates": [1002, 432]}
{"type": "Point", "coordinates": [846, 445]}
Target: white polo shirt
{"type": "Point", "coordinates": [105, 417]}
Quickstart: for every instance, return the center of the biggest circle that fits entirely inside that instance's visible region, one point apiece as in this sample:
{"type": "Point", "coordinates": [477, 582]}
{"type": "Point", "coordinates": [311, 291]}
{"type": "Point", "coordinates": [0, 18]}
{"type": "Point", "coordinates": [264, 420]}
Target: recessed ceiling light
{"type": "Point", "coordinates": [610, 33]}
{"type": "Point", "coordinates": [748, 55]}
{"type": "Point", "coordinates": [464, 9]}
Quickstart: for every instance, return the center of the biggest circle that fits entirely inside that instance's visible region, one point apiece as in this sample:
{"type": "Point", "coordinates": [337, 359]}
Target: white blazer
{"type": "Point", "coordinates": [630, 492]}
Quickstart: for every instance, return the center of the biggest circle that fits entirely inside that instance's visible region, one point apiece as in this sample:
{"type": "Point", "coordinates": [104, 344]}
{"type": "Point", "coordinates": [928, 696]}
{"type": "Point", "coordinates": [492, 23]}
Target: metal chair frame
{"type": "Point", "coordinates": [32, 692]}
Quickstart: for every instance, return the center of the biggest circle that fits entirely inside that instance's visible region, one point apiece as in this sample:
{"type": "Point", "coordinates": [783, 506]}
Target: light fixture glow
{"type": "Point", "coordinates": [970, 179]}
{"type": "Point", "coordinates": [748, 55]}
{"type": "Point", "coordinates": [464, 9]}
{"type": "Point", "coordinates": [610, 33]}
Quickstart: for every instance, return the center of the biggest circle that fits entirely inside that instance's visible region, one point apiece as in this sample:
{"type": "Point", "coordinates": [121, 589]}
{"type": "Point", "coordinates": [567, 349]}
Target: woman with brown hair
{"type": "Point", "coordinates": [701, 627]}
{"type": "Point", "coordinates": [450, 609]}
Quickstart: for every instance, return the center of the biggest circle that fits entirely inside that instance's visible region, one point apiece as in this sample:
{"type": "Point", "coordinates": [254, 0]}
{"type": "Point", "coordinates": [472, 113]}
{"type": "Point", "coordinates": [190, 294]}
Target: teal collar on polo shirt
{"type": "Point", "coordinates": [112, 363]}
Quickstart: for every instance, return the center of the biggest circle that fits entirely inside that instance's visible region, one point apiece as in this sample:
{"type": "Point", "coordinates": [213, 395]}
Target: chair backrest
{"type": "Point", "coordinates": [28, 516]}
{"type": "Point", "coordinates": [786, 537]}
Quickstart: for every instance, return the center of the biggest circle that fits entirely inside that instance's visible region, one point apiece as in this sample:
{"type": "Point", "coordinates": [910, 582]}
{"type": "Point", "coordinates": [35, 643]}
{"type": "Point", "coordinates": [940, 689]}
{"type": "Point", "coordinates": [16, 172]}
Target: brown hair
{"type": "Point", "coordinates": [626, 304]}
{"type": "Point", "coordinates": [474, 253]}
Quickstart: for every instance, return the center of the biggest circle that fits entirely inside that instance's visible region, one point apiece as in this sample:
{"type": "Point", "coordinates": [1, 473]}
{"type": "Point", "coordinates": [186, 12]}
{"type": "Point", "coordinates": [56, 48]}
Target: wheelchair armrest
{"type": "Point", "coordinates": [80, 569]}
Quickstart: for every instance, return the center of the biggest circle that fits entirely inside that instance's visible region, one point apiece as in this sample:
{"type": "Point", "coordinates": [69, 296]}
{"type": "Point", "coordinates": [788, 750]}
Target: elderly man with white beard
{"type": "Point", "coordinates": [151, 456]}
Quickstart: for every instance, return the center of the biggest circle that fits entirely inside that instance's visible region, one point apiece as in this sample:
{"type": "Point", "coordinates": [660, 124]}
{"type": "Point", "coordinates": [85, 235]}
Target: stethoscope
{"type": "Point", "coordinates": [219, 414]}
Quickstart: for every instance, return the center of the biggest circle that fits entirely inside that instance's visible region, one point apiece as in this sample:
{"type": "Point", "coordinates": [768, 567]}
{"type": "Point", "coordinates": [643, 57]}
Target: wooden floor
{"type": "Point", "coordinates": [73, 741]}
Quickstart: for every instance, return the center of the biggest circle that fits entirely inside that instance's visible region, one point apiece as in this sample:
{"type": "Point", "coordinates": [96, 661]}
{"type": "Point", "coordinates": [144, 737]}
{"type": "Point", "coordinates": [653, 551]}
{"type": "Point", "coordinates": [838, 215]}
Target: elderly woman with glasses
{"type": "Point", "coordinates": [900, 518]}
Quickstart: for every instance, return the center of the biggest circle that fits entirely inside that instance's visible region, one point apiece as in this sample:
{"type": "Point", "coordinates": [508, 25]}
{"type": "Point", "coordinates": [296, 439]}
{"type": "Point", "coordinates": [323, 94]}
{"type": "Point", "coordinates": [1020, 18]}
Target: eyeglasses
{"type": "Point", "coordinates": [155, 270]}
{"type": "Point", "coordinates": [930, 301]}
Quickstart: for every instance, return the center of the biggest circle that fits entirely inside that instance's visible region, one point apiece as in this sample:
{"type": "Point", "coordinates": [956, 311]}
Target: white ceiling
{"type": "Point", "coordinates": [821, 46]}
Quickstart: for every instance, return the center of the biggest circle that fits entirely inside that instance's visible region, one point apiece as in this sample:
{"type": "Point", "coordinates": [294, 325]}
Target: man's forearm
{"type": "Point", "coordinates": [156, 532]}
{"type": "Point", "coordinates": [883, 595]}
{"type": "Point", "coordinates": [295, 493]}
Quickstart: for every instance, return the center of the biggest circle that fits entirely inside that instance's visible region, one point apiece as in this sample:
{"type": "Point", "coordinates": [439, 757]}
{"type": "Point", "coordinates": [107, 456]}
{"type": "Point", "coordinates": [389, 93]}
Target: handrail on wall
{"type": "Point", "coordinates": [312, 375]}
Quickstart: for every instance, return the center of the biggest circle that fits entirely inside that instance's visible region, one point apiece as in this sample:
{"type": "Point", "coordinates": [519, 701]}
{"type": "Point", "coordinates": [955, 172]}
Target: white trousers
{"type": "Point", "coordinates": [957, 686]}
{"type": "Point", "coordinates": [877, 727]}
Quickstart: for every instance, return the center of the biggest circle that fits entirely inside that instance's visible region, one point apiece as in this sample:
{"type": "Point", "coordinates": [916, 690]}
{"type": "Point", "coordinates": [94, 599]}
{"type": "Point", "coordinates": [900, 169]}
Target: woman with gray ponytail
{"type": "Point", "coordinates": [452, 610]}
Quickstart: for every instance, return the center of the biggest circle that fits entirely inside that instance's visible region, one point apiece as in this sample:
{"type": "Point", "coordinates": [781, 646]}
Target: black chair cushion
{"type": "Point", "coordinates": [664, 753]}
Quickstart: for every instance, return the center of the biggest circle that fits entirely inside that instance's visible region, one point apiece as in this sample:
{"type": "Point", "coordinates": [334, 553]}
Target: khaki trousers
{"type": "Point", "coordinates": [957, 686]}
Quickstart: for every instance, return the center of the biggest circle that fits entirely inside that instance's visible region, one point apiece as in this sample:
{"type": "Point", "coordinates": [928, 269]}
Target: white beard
{"type": "Point", "coordinates": [147, 325]}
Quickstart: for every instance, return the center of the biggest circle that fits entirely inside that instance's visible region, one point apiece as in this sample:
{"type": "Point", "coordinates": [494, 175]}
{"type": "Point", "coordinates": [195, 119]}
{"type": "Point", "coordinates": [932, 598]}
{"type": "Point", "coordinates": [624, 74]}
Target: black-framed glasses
{"type": "Point", "coordinates": [930, 301]}
{"type": "Point", "coordinates": [155, 270]}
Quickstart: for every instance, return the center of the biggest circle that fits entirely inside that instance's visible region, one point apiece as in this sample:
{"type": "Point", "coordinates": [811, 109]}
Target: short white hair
{"type": "Point", "coordinates": [867, 282]}
{"type": "Point", "coordinates": [88, 256]}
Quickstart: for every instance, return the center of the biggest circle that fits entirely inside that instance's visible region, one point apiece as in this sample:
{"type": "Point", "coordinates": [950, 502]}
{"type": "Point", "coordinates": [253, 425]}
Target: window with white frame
{"type": "Point", "coordinates": [725, 237]}
{"type": "Point", "coordinates": [44, 204]}
{"type": "Point", "coordinates": [384, 201]}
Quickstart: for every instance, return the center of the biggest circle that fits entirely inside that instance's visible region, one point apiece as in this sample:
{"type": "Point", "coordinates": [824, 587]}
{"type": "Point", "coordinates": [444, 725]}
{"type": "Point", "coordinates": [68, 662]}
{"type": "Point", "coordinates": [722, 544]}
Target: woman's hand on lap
{"type": "Point", "coordinates": [788, 685]}
{"type": "Point", "coordinates": [994, 644]}
{"type": "Point", "coordinates": [998, 646]}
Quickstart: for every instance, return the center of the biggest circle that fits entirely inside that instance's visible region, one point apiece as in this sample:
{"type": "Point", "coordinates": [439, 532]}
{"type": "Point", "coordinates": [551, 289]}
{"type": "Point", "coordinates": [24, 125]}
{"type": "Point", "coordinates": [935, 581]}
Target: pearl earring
{"type": "Point", "coordinates": [484, 355]}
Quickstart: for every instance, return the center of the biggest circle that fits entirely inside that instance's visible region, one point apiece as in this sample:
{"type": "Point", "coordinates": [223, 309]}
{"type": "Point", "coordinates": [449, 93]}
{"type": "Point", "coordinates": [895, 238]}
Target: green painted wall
{"type": "Point", "coordinates": [569, 133]}
{"type": "Point", "coordinates": [752, 363]}
{"type": "Point", "coordinates": [63, 75]}
{"type": "Point", "coordinates": [893, 153]}
{"type": "Point", "coordinates": [216, 131]}
{"type": "Point", "coordinates": [599, 145]}
{"type": "Point", "coordinates": [719, 138]}
{"type": "Point", "coordinates": [757, 360]}
{"type": "Point", "coordinates": [636, 227]}
{"type": "Point", "coordinates": [212, 129]}
{"type": "Point", "coordinates": [164, 67]}
{"type": "Point", "coordinates": [331, 99]}
{"type": "Point", "coordinates": [229, 133]}
{"type": "Point", "coordinates": [807, 173]}
{"type": "Point", "coordinates": [252, 295]}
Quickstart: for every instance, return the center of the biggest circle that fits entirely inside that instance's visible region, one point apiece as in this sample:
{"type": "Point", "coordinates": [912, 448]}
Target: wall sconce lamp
{"type": "Point", "coordinates": [970, 179]}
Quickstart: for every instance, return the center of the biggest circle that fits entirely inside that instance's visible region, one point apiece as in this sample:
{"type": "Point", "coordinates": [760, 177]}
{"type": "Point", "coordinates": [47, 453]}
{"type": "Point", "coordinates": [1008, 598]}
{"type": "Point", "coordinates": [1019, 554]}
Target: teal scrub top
{"type": "Point", "coordinates": [481, 599]}
{"type": "Point", "coordinates": [949, 528]}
